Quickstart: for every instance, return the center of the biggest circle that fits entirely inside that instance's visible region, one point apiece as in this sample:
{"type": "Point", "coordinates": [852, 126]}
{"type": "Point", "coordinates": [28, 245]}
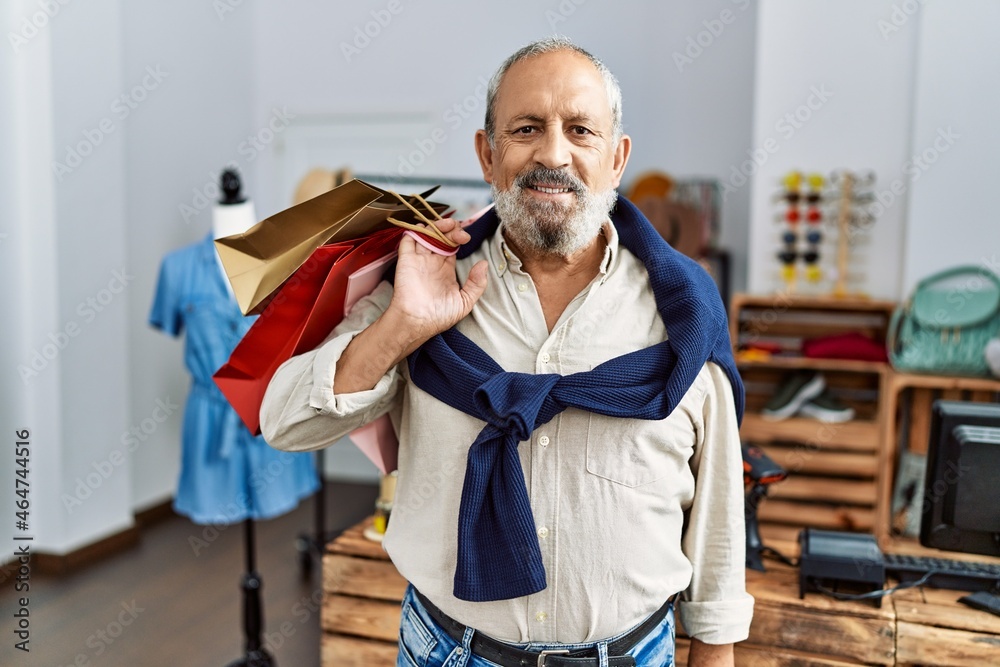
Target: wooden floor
{"type": "Point", "coordinates": [162, 605]}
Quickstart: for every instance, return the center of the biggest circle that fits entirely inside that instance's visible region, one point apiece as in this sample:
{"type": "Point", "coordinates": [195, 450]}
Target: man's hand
{"type": "Point", "coordinates": [426, 300]}
{"type": "Point", "coordinates": [426, 296]}
{"type": "Point", "coordinates": [710, 655]}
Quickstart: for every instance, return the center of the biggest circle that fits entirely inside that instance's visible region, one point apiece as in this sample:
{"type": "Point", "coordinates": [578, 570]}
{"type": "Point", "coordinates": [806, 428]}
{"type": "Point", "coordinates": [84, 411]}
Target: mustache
{"type": "Point", "coordinates": [556, 177]}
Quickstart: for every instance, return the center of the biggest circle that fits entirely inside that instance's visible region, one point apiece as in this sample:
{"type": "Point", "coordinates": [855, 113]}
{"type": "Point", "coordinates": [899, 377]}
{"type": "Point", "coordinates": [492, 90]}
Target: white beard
{"type": "Point", "coordinates": [551, 227]}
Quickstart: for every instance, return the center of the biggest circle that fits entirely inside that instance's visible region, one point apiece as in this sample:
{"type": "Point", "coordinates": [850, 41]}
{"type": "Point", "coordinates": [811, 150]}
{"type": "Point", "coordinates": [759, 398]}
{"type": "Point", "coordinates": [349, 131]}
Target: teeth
{"type": "Point", "coordinates": [551, 191]}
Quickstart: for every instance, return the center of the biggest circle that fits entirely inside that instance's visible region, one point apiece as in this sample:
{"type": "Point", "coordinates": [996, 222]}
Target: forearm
{"type": "Point", "coordinates": [374, 351]}
{"type": "Point", "coordinates": [710, 655]}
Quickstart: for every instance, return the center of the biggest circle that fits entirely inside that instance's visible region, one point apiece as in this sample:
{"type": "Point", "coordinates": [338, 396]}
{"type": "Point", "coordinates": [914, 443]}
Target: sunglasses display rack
{"type": "Point", "coordinates": [809, 205]}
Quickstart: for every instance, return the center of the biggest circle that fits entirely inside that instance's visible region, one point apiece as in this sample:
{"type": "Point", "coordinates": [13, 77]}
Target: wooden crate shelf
{"type": "Point", "coordinates": [855, 435]}
{"type": "Point", "coordinates": [836, 471]}
{"type": "Point", "coordinates": [362, 592]}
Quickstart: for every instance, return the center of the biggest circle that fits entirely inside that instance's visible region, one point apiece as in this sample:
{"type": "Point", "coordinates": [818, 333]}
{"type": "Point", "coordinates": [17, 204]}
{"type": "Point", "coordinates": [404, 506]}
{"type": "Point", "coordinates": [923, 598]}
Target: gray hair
{"type": "Point", "coordinates": [548, 45]}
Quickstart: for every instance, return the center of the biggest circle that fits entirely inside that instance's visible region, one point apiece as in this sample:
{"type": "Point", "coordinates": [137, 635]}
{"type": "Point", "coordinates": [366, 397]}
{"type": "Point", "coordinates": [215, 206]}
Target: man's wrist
{"type": "Point", "coordinates": [710, 655]}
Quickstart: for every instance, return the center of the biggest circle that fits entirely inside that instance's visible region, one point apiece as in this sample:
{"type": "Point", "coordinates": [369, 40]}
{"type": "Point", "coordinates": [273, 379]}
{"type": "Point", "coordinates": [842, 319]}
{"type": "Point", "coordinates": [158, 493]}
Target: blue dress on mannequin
{"type": "Point", "coordinates": [227, 474]}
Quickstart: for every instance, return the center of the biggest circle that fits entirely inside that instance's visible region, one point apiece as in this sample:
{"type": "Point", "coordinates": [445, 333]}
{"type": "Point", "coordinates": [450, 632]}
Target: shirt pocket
{"type": "Point", "coordinates": [629, 452]}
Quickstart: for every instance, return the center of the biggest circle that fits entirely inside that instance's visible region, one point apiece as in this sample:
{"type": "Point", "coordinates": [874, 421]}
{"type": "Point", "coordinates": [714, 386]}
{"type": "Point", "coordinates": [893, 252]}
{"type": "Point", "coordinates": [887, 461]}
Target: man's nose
{"type": "Point", "coordinates": [553, 151]}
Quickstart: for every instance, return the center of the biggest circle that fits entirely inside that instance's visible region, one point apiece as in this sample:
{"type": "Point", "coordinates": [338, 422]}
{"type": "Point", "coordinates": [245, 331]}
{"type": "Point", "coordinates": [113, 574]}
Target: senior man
{"type": "Point", "coordinates": [566, 403]}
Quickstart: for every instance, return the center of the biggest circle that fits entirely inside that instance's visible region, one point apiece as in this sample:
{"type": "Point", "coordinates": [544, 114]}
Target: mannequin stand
{"type": "Point", "coordinates": [253, 611]}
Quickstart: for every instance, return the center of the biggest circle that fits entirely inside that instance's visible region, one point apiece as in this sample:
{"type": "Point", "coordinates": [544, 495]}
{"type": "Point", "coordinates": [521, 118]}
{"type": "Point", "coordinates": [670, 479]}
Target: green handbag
{"type": "Point", "coordinates": [945, 325]}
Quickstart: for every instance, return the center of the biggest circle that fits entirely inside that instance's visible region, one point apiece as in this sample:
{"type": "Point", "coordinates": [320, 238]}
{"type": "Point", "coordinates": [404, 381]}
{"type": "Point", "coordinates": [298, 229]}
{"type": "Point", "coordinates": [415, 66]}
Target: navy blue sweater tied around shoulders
{"type": "Point", "coordinates": [498, 552]}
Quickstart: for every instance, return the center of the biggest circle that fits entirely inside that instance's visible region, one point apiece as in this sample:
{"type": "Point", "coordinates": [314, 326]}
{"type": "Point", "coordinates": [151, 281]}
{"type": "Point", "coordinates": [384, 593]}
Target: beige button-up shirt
{"type": "Point", "coordinates": [628, 512]}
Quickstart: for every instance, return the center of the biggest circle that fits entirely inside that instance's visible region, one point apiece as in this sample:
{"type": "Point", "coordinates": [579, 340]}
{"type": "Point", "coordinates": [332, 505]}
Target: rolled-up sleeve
{"type": "Point", "coordinates": [716, 609]}
{"type": "Point", "coordinates": [302, 410]}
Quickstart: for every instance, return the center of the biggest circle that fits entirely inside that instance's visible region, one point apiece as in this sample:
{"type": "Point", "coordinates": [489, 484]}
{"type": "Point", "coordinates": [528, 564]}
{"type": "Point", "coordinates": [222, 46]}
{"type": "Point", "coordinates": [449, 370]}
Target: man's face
{"type": "Point", "coordinates": [553, 165]}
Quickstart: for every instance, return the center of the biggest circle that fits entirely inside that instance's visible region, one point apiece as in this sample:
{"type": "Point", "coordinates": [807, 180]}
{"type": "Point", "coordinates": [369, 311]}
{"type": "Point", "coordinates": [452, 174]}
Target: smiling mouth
{"type": "Point", "coordinates": [550, 190]}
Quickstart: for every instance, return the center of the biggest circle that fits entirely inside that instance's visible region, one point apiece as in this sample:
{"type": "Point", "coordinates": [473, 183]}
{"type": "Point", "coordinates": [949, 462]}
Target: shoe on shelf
{"type": "Point", "coordinates": [826, 408]}
{"type": "Point", "coordinates": [797, 390]}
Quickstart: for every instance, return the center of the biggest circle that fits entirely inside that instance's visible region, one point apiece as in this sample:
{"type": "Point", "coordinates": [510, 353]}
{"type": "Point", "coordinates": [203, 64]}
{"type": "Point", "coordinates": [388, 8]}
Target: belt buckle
{"type": "Point", "coordinates": [542, 654]}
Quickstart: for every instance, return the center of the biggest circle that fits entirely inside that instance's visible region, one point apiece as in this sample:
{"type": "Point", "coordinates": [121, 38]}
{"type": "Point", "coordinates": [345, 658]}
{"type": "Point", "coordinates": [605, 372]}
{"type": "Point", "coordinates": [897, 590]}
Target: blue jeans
{"type": "Point", "coordinates": [423, 643]}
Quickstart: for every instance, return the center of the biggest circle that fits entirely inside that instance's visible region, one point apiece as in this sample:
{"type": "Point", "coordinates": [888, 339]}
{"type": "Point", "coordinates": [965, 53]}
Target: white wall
{"type": "Point", "coordinates": [68, 357]}
{"type": "Point", "coordinates": [28, 244]}
{"type": "Point", "coordinates": [955, 141]}
{"type": "Point", "coordinates": [864, 124]}
{"type": "Point", "coordinates": [187, 129]}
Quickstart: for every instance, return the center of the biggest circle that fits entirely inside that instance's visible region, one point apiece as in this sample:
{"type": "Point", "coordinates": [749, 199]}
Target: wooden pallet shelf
{"type": "Point", "coordinates": [836, 471]}
{"type": "Point", "coordinates": [855, 435]}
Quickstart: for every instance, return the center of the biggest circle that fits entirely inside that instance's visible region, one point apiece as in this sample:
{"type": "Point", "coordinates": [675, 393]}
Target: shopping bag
{"type": "Point", "coordinates": [299, 317]}
{"type": "Point", "coordinates": [259, 260]}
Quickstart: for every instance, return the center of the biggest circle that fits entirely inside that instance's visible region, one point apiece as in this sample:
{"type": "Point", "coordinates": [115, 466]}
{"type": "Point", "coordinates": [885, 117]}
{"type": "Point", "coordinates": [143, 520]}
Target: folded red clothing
{"type": "Point", "coordinates": [854, 346]}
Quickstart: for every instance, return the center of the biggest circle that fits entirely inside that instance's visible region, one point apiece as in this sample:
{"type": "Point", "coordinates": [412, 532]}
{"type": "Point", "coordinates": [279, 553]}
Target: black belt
{"type": "Point", "coordinates": [511, 656]}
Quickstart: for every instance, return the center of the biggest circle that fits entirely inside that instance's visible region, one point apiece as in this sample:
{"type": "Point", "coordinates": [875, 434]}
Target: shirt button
{"type": "Point", "coordinates": [544, 441]}
{"type": "Point", "coordinates": [545, 358]}
{"type": "Point", "coordinates": [501, 267]}
{"type": "Point", "coordinates": [543, 532]}
{"type": "Point", "coordinates": [541, 616]}
{"type": "Point", "coordinates": [522, 287]}
{"type": "Point", "coordinates": [459, 651]}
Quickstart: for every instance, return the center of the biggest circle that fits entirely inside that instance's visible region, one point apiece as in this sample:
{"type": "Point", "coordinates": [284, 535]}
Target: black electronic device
{"type": "Point", "coordinates": [831, 560]}
{"type": "Point", "coordinates": [944, 573]}
{"type": "Point", "coordinates": [759, 471]}
{"type": "Point", "coordinates": [960, 510]}
{"type": "Point", "coordinates": [983, 601]}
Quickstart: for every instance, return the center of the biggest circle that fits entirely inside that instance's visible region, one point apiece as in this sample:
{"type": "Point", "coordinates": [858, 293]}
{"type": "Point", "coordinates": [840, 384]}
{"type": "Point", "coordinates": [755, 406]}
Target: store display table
{"type": "Point", "coordinates": [363, 590]}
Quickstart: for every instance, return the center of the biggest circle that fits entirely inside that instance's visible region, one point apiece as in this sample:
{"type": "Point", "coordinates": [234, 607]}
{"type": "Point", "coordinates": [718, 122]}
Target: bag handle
{"type": "Point", "coordinates": [431, 229]}
{"type": "Point", "coordinates": [958, 271]}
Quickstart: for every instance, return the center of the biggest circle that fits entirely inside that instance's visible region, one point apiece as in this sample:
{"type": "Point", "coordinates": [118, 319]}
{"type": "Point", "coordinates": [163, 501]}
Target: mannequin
{"type": "Point", "coordinates": [228, 475]}
{"type": "Point", "coordinates": [233, 214]}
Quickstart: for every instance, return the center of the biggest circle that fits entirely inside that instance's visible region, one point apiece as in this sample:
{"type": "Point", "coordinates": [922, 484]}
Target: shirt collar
{"type": "Point", "coordinates": [505, 256]}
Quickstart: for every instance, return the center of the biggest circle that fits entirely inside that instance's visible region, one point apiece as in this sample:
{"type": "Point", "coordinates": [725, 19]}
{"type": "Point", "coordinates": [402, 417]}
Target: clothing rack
{"type": "Point", "coordinates": [443, 181]}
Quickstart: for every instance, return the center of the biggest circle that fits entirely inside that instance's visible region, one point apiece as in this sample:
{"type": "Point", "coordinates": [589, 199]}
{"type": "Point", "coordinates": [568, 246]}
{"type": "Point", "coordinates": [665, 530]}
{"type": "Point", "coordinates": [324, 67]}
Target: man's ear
{"type": "Point", "coordinates": [622, 153]}
{"type": "Point", "coordinates": [485, 154]}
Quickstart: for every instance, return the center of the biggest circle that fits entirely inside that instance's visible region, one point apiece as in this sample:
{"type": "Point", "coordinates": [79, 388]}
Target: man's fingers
{"type": "Point", "coordinates": [475, 285]}
{"type": "Point", "coordinates": [450, 228]}
{"type": "Point", "coordinates": [407, 246]}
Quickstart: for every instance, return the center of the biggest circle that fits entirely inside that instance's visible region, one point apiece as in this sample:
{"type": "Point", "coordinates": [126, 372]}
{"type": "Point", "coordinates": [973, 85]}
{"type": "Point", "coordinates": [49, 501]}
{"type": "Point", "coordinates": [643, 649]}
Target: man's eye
{"type": "Point", "coordinates": [528, 129]}
{"type": "Point", "coordinates": [579, 129]}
